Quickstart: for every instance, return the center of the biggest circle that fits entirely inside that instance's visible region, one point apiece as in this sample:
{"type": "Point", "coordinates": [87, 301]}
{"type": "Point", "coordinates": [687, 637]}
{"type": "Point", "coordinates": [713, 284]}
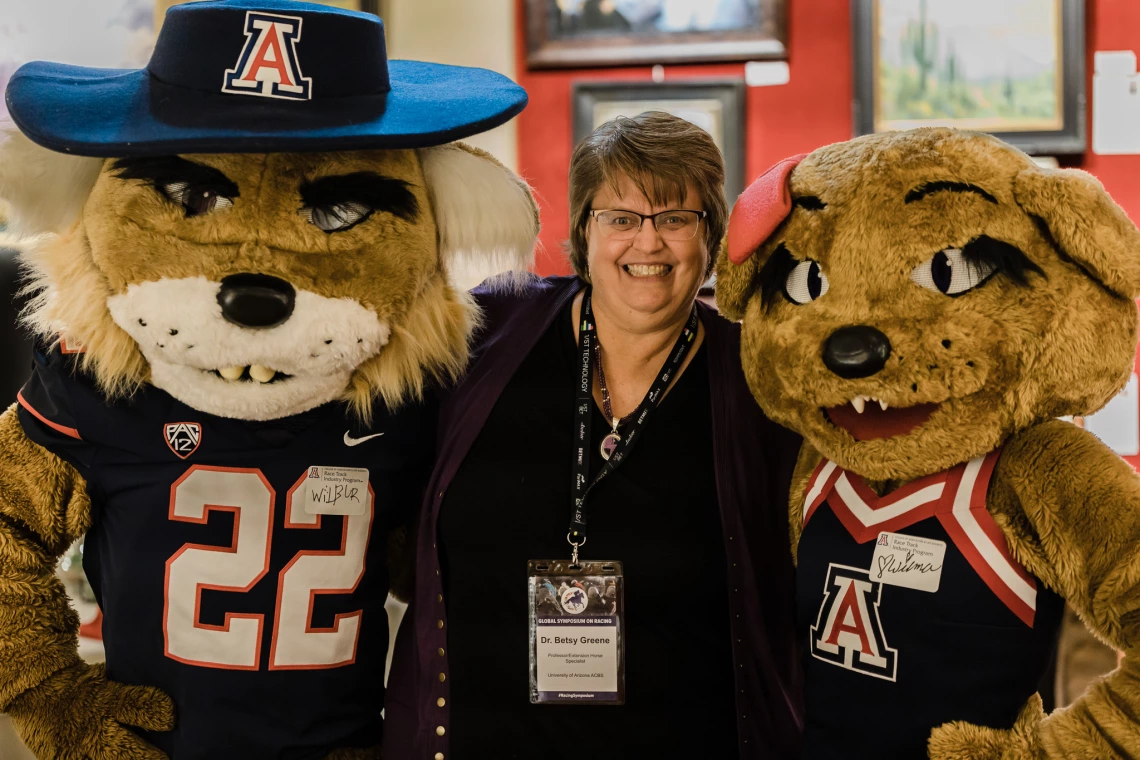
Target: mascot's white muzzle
{"type": "Point", "coordinates": [249, 347]}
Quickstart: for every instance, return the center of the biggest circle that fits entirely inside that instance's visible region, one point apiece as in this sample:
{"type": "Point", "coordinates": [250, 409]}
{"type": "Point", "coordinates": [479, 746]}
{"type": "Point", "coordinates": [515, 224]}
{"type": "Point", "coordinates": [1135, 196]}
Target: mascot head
{"type": "Point", "coordinates": [266, 217]}
{"type": "Point", "coordinates": [911, 299]}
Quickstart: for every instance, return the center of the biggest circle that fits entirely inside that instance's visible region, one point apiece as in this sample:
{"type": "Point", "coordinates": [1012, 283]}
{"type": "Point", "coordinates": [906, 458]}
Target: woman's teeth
{"type": "Point", "coordinates": [648, 270]}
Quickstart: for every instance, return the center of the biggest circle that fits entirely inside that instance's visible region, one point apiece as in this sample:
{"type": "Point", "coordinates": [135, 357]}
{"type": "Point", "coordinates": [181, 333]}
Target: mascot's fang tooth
{"type": "Point", "coordinates": [232, 373]}
{"type": "Point", "coordinates": [882, 404]}
{"type": "Point", "coordinates": [858, 402]}
{"type": "Point", "coordinates": [261, 373]}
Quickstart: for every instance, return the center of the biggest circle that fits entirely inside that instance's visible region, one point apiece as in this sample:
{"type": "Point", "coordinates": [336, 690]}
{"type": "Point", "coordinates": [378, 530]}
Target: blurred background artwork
{"type": "Point", "coordinates": [715, 106]}
{"type": "Point", "coordinates": [984, 65]}
{"type": "Point", "coordinates": [101, 33]}
{"type": "Point", "coordinates": [1013, 68]}
{"type": "Point", "coordinates": [612, 32]}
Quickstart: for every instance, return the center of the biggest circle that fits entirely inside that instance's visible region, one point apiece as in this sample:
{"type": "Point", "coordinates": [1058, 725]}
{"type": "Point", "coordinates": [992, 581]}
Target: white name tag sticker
{"type": "Point", "coordinates": [908, 561]}
{"type": "Point", "coordinates": [336, 490]}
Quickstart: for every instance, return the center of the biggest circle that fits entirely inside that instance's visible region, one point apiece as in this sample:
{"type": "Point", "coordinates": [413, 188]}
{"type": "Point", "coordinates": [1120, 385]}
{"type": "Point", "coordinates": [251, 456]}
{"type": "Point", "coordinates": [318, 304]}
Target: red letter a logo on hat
{"type": "Point", "coordinates": [268, 64]}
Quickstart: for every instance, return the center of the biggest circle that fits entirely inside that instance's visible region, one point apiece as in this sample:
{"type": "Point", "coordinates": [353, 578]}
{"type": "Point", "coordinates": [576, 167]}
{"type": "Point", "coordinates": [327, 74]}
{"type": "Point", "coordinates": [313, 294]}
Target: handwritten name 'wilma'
{"type": "Point", "coordinates": [889, 563]}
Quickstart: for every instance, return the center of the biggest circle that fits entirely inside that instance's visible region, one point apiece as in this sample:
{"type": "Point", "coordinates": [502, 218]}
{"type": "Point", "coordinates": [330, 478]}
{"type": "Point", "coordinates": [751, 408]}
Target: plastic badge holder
{"type": "Point", "coordinates": [577, 632]}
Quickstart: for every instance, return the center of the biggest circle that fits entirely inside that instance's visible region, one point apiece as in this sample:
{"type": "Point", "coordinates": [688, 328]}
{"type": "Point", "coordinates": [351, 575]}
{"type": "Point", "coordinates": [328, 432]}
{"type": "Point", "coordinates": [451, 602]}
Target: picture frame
{"type": "Point", "coordinates": [589, 33]}
{"type": "Point", "coordinates": [715, 105]}
{"type": "Point", "coordinates": [929, 63]}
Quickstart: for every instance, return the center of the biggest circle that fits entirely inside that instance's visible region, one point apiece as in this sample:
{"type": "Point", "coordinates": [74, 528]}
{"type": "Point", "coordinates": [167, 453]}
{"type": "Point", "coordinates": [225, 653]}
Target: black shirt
{"type": "Point", "coordinates": [657, 513]}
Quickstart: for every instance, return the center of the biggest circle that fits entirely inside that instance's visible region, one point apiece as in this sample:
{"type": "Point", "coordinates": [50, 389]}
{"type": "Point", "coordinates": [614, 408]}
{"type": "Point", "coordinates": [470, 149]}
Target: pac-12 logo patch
{"type": "Point", "coordinates": [182, 437]}
{"type": "Point", "coordinates": [268, 64]}
{"type": "Point", "coordinates": [847, 631]}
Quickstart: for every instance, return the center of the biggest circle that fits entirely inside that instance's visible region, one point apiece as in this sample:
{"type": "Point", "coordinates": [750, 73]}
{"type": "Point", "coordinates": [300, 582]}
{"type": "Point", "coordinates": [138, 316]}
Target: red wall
{"type": "Point", "coordinates": [1114, 25]}
{"type": "Point", "coordinates": [814, 109]}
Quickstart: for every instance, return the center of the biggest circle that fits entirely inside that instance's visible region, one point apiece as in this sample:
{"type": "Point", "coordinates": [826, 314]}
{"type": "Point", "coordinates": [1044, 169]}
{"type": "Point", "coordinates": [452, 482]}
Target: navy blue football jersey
{"type": "Point", "coordinates": [913, 614]}
{"type": "Point", "coordinates": [240, 566]}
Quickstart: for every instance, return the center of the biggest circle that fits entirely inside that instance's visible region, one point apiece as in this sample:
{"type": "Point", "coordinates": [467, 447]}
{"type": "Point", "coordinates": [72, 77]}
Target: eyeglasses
{"type": "Point", "coordinates": [673, 225]}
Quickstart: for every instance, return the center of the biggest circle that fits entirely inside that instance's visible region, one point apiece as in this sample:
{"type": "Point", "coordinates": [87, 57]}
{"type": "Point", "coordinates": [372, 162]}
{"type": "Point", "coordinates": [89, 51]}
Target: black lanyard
{"type": "Point", "coordinates": [581, 484]}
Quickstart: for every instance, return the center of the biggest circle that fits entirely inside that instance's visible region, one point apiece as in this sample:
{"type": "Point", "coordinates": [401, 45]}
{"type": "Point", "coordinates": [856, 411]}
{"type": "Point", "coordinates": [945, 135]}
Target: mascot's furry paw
{"type": "Point", "coordinates": [964, 741]}
{"type": "Point", "coordinates": [77, 714]}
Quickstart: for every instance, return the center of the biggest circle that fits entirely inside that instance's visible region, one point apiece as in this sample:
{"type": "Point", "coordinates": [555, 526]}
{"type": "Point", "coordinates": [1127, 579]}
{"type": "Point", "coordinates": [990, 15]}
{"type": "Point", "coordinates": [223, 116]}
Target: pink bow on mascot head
{"type": "Point", "coordinates": [760, 210]}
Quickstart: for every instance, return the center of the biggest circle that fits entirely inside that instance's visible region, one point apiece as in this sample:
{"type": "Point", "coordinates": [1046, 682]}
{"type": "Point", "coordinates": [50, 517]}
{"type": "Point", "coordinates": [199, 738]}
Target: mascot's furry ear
{"type": "Point", "coordinates": [759, 211]}
{"type": "Point", "coordinates": [486, 215]}
{"type": "Point", "coordinates": [1084, 224]}
{"type": "Point", "coordinates": [46, 189]}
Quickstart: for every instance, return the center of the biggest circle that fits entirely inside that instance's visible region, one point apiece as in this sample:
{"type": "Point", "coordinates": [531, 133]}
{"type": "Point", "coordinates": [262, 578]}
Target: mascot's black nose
{"type": "Point", "coordinates": [256, 300]}
{"type": "Point", "coordinates": [856, 351]}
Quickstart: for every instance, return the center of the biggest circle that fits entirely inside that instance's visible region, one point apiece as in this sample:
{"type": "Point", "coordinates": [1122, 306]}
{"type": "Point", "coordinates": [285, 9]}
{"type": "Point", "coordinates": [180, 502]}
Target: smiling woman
{"type": "Point", "coordinates": [617, 382]}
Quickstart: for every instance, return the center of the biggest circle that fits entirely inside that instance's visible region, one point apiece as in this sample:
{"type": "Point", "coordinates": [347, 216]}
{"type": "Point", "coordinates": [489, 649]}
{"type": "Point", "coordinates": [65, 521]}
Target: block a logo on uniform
{"type": "Point", "coordinates": [182, 437]}
{"type": "Point", "coordinates": [847, 631]}
{"type": "Point", "coordinates": [268, 65]}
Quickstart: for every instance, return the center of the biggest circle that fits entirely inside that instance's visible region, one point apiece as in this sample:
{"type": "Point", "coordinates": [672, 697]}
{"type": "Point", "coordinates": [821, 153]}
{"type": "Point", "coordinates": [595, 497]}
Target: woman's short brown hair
{"type": "Point", "coordinates": [663, 155]}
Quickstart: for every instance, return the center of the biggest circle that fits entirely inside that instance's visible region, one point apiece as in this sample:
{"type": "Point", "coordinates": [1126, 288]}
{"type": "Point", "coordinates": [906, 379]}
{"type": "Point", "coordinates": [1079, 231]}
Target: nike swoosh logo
{"type": "Point", "coordinates": [350, 441]}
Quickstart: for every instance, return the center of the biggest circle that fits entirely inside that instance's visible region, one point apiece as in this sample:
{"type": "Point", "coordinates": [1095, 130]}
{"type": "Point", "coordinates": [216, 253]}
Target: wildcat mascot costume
{"type": "Point", "coordinates": [242, 291]}
{"type": "Point", "coordinates": [922, 306]}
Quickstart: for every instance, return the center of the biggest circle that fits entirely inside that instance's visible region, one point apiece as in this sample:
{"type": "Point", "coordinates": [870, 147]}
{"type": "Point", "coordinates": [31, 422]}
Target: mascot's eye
{"type": "Point", "coordinates": [805, 283]}
{"type": "Point", "coordinates": [337, 216]}
{"type": "Point", "coordinates": [196, 199]}
{"type": "Point", "coordinates": [950, 272]}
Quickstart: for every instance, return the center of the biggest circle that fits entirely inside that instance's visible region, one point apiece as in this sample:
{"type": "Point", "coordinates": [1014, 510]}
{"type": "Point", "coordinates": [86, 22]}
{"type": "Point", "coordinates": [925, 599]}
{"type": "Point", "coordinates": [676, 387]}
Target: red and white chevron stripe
{"type": "Point", "coordinates": [957, 497]}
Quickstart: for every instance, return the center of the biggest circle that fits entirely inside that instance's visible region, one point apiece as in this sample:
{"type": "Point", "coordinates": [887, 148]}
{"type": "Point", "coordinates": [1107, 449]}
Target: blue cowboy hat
{"type": "Point", "coordinates": [258, 76]}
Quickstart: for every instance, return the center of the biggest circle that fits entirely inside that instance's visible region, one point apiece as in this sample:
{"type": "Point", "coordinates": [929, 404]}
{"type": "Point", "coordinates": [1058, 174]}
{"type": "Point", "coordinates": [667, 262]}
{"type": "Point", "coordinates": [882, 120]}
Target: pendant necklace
{"type": "Point", "coordinates": [613, 438]}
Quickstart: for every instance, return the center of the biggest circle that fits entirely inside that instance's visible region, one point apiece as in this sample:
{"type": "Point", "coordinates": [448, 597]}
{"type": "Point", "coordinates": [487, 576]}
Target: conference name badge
{"type": "Point", "coordinates": [576, 632]}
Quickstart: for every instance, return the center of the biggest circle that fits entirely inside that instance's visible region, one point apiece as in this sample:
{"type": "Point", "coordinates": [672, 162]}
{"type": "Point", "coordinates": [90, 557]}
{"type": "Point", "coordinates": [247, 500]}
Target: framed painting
{"type": "Point", "coordinates": [716, 106]}
{"type": "Point", "coordinates": [583, 33]}
{"type": "Point", "coordinates": [1015, 69]}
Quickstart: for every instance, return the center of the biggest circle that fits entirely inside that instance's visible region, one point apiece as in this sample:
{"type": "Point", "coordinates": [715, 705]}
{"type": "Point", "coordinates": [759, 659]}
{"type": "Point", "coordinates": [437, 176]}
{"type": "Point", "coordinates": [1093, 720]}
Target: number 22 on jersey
{"type": "Point", "coordinates": [236, 644]}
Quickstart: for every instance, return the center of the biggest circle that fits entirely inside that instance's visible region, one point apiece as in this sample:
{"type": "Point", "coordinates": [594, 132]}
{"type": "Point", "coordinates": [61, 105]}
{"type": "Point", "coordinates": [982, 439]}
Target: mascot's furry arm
{"type": "Point", "coordinates": [1070, 509]}
{"type": "Point", "coordinates": [62, 707]}
{"type": "Point", "coordinates": [43, 509]}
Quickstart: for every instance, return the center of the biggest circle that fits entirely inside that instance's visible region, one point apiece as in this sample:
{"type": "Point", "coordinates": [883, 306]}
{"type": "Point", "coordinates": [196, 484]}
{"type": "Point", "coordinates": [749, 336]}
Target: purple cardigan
{"type": "Point", "coordinates": [754, 460]}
